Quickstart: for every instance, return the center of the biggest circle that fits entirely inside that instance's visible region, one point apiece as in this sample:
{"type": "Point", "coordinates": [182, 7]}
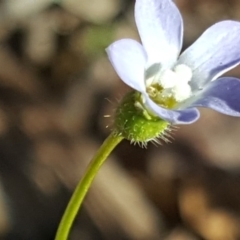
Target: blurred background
{"type": "Point", "coordinates": [56, 85]}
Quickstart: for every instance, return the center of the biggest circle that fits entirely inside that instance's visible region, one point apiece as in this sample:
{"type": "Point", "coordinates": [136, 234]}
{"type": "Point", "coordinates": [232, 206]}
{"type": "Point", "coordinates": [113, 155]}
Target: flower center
{"type": "Point", "coordinates": [170, 87]}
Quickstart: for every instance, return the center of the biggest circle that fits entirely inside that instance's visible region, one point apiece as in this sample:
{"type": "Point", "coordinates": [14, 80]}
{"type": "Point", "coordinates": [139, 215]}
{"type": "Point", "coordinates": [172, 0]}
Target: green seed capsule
{"type": "Point", "coordinates": [136, 123]}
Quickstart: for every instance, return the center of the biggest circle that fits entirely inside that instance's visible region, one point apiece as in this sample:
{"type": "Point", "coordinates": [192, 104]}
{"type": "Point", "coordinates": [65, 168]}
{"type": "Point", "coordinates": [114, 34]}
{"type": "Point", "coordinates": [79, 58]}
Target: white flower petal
{"type": "Point", "coordinates": [160, 27]}
{"type": "Point", "coordinates": [214, 53]}
{"type": "Point", "coordinates": [128, 59]}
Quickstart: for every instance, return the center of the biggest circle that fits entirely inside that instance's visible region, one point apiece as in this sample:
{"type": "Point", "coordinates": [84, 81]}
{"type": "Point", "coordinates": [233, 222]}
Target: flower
{"type": "Point", "coordinates": [172, 86]}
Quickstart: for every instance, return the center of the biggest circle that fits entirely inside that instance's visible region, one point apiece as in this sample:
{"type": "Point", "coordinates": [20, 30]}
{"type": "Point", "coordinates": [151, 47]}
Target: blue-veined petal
{"type": "Point", "coordinates": [185, 116]}
{"type": "Point", "coordinates": [160, 27]}
{"type": "Point", "coordinates": [214, 53]}
{"type": "Point", "coordinates": [222, 95]}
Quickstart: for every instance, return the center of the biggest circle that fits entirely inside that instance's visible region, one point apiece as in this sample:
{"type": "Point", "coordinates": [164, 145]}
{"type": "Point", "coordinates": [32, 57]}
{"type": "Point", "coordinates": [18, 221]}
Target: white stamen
{"type": "Point", "coordinates": [184, 72]}
{"type": "Point", "coordinates": [167, 93]}
{"type": "Point", "coordinates": [168, 79]}
{"type": "Point", "coordinates": [181, 92]}
{"type": "Point", "coordinates": [174, 84]}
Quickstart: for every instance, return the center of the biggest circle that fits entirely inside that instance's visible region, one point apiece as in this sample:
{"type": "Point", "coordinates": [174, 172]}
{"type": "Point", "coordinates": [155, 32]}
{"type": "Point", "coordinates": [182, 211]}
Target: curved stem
{"type": "Point", "coordinates": [83, 186]}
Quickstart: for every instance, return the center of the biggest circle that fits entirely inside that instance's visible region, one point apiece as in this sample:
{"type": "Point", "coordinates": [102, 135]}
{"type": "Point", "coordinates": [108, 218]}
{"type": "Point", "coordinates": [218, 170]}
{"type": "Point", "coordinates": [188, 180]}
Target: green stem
{"type": "Point", "coordinates": [83, 186]}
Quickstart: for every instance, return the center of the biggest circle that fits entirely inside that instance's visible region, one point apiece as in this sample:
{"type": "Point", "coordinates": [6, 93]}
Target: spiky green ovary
{"type": "Point", "coordinates": [135, 123]}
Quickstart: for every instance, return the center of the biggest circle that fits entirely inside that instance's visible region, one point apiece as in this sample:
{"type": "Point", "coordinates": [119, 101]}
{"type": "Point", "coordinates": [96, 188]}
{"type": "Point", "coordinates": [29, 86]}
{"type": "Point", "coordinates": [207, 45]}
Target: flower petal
{"type": "Point", "coordinates": [222, 95]}
{"type": "Point", "coordinates": [160, 27]}
{"type": "Point", "coordinates": [185, 116]}
{"type": "Point", "coordinates": [214, 53]}
{"type": "Point", "coordinates": [128, 59]}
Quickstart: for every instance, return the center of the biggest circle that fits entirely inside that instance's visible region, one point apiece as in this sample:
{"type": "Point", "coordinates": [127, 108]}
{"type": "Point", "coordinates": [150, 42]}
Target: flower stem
{"type": "Point", "coordinates": [83, 186]}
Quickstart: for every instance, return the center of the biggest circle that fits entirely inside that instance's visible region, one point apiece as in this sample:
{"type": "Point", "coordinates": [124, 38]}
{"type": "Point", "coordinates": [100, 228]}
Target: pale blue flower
{"type": "Point", "coordinates": [172, 86]}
